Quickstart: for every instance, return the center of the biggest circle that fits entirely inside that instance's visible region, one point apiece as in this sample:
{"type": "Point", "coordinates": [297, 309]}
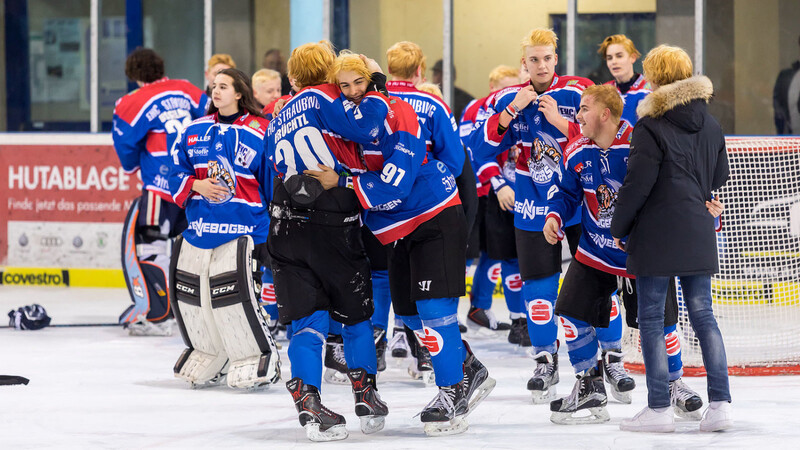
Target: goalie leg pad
{"type": "Point", "coordinates": [254, 357]}
{"type": "Point", "coordinates": [205, 360]}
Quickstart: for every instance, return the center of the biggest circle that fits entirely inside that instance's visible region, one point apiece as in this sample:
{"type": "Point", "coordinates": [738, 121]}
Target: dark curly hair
{"type": "Point", "coordinates": [241, 84]}
{"type": "Point", "coordinates": [144, 64]}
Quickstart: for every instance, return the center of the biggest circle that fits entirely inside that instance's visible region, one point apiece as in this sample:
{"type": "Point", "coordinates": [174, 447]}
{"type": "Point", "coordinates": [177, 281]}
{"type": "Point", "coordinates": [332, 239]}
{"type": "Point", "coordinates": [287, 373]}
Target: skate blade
{"type": "Point", "coordinates": [688, 415]}
{"type": "Point", "coordinates": [208, 384]}
{"type": "Point", "coordinates": [481, 393]}
{"type": "Point", "coordinates": [457, 425]}
{"type": "Point", "coordinates": [595, 415]}
{"type": "Point", "coordinates": [476, 330]}
{"type": "Point", "coordinates": [334, 433]}
{"type": "Point", "coordinates": [540, 397]}
{"type": "Point", "coordinates": [622, 397]}
{"type": "Point", "coordinates": [335, 377]}
{"type": "Point", "coordinates": [372, 424]}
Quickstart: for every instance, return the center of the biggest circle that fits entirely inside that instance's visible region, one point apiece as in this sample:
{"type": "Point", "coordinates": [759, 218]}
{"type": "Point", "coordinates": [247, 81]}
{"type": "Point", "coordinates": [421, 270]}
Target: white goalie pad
{"type": "Point", "coordinates": [204, 361]}
{"type": "Point", "coordinates": [254, 358]}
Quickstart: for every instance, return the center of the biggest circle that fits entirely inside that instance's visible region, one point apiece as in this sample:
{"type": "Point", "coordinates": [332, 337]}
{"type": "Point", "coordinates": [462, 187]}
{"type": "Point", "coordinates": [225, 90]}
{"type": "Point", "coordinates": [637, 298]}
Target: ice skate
{"type": "Point", "coordinates": [420, 367]}
{"type": "Point", "coordinates": [379, 335]}
{"type": "Point", "coordinates": [216, 380]}
{"type": "Point", "coordinates": [143, 327]}
{"type": "Point", "coordinates": [477, 382]}
{"type": "Point", "coordinates": [686, 401]}
{"type": "Point", "coordinates": [483, 322]}
{"type": "Point", "coordinates": [335, 365]}
{"type": "Point", "coordinates": [369, 407]}
{"type": "Point", "coordinates": [399, 343]}
{"type": "Point", "coordinates": [616, 376]}
{"type": "Point", "coordinates": [650, 421]}
{"type": "Point", "coordinates": [515, 334]}
{"type": "Point", "coordinates": [717, 417]}
{"type": "Point", "coordinates": [320, 423]}
{"type": "Point", "coordinates": [588, 396]}
{"type": "Point", "coordinates": [446, 413]}
{"type": "Point", "coordinates": [545, 377]}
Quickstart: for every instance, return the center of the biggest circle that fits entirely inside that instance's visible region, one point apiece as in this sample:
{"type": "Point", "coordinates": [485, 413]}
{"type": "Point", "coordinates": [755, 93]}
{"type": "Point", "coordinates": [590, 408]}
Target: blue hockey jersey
{"type": "Point", "coordinates": [234, 155]}
{"type": "Point", "coordinates": [592, 176]}
{"type": "Point", "coordinates": [434, 115]}
{"type": "Point", "coordinates": [541, 147]}
{"type": "Point", "coordinates": [146, 123]}
{"type": "Point", "coordinates": [631, 99]}
{"type": "Point", "coordinates": [401, 188]}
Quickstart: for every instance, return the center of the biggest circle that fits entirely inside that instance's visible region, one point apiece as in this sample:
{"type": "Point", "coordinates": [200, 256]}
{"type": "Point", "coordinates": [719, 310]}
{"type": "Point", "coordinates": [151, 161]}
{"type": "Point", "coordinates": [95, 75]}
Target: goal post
{"type": "Point", "coordinates": [756, 294]}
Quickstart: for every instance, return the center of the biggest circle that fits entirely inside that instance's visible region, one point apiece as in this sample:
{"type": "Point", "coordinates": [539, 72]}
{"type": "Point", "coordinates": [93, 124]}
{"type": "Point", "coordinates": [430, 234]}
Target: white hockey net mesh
{"type": "Point", "coordinates": [756, 294]}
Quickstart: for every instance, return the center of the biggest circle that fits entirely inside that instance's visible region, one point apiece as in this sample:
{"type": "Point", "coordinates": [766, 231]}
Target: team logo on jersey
{"type": "Point", "coordinates": [432, 340]}
{"type": "Point", "coordinates": [254, 124]}
{"type": "Point", "coordinates": [614, 308]}
{"type": "Point", "coordinates": [494, 273]}
{"type": "Point", "coordinates": [572, 82]}
{"type": "Point", "coordinates": [579, 167]}
{"type": "Point", "coordinates": [606, 200]}
{"type": "Point", "coordinates": [244, 155]}
{"type": "Point", "coordinates": [540, 311]}
{"type": "Point", "coordinates": [567, 112]}
{"type": "Point", "coordinates": [223, 172]}
{"type": "Point", "coordinates": [570, 330]}
{"type": "Point", "coordinates": [545, 158]}
{"type": "Point", "coordinates": [673, 343]}
{"type": "Point", "coordinates": [510, 166]}
{"type": "Point", "coordinates": [513, 283]}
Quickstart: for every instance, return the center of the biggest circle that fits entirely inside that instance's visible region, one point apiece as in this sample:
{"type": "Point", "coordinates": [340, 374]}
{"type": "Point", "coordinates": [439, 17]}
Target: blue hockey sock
{"type": "Point", "coordinates": [305, 348]}
{"type": "Point", "coordinates": [581, 343]}
{"type": "Point", "coordinates": [359, 348]}
{"type": "Point", "coordinates": [673, 352]}
{"type": "Point", "coordinates": [540, 297]}
{"type": "Point", "coordinates": [485, 281]}
{"type": "Point", "coordinates": [268, 294]}
{"type": "Point", "coordinates": [382, 299]}
{"type": "Point", "coordinates": [334, 327]}
{"type": "Point", "coordinates": [442, 338]}
{"type": "Point", "coordinates": [611, 338]}
{"type": "Point", "coordinates": [512, 286]}
{"type": "Point", "coordinates": [412, 322]}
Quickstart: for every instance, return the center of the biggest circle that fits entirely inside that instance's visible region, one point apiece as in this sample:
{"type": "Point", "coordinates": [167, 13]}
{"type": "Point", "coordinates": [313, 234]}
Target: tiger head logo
{"type": "Point", "coordinates": [222, 170]}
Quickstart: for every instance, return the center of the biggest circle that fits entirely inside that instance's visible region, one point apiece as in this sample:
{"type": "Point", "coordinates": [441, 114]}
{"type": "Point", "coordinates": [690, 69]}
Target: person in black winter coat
{"type": "Point", "coordinates": [662, 220]}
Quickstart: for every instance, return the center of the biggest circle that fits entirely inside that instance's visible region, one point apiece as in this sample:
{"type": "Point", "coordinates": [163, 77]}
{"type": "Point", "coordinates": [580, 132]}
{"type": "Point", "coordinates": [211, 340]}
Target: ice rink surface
{"type": "Point", "coordinates": [97, 387]}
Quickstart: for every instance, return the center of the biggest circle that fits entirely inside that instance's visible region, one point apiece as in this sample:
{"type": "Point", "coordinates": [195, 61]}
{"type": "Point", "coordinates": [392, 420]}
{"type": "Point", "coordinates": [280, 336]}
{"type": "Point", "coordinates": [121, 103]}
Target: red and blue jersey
{"type": "Point", "coordinates": [638, 91]}
{"type": "Point", "coordinates": [590, 179]}
{"type": "Point", "coordinates": [401, 188]}
{"type": "Point", "coordinates": [540, 143]}
{"type": "Point", "coordinates": [234, 155]}
{"type": "Point", "coordinates": [434, 115]}
{"type": "Point", "coordinates": [147, 122]}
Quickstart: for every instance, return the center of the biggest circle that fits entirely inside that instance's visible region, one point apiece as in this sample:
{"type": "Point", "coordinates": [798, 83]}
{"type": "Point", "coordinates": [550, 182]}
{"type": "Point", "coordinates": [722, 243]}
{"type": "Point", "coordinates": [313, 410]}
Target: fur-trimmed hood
{"type": "Point", "coordinates": [666, 99]}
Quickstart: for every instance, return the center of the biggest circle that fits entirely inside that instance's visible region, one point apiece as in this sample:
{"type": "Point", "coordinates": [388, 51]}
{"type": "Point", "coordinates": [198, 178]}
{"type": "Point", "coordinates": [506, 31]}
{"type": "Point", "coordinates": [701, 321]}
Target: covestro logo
{"type": "Point", "coordinates": [34, 277]}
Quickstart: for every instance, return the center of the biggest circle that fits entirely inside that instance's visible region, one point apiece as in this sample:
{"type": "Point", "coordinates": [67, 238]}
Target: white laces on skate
{"type": "Point", "coordinates": [442, 402]}
{"type": "Point", "coordinates": [616, 369]}
{"type": "Point", "coordinates": [680, 391]}
{"type": "Point", "coordinates": [398, 340]}
{"type": "Point", "coordinates": [338, 354]}
{"type": "Point", "coordinates": [543, 368]}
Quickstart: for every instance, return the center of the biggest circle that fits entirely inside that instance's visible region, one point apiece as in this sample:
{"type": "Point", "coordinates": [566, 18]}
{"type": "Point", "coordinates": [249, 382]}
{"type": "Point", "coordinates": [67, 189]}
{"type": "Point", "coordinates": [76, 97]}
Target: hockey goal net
{"type": "Point", "coordinates": [756, 294]}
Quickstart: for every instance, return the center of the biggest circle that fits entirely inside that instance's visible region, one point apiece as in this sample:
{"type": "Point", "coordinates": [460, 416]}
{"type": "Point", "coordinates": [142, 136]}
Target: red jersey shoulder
{"type": "Point", "coordinates": [270, 108]}
{"type": "Point", "coordinates": [494, 97]}
{"type": "Point", "coordinates": [566, 81]}
{"type": "Point", "coordinates": [186, 86]}
{"type": "Point", "coordinates": [575, 145]}
{"type": "Point", "coordinates": [624, 134]}
{"type": "Point", "coordinates": [328, 90]}
{"type": "Point", "coordinates": [402, 116]}
{"type": "Point", "coordinates": [471, 111]}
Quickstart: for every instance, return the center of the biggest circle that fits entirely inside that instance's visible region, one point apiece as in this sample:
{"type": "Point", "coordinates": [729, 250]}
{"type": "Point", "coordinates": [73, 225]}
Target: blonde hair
{"type": "Point", "coordinates": [264, 75]}
{"type": "Point", "coordinates": [348, 61]}
{"type": "Point", "coordinates": [430, 88]}
{"type": "Point", "coordinates": [620, 39]}
{"type": "Point", "coordinates": [221, 58]}
{"type": "Point", "coordinates": [502, 71]}
{"type": "Point", "coordinates": [540, 36]}
{"type": "Point", "coordinates": [309, 63]}
{"type": "Point", "coordinates": [666, 64]}
{"type": "Point", "coordinates": [403, 59]}
{"type": "Point", "coordinates": [606, 95]}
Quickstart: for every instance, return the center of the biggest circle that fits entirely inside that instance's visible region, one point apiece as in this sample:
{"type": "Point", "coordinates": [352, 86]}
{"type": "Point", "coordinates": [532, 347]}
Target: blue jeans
{"type": "Point", "coordinates": [652, 293]}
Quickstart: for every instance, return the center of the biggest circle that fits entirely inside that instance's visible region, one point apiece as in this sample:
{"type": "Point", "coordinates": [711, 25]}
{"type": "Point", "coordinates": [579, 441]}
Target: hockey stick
{"type": "Point", "coordinates": [70, 325]}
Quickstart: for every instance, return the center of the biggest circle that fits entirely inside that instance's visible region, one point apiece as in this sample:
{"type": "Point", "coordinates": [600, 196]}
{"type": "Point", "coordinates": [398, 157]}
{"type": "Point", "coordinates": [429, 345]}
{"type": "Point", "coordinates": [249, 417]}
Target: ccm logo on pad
{"type": "Point", "coordinates": [223, 289]}
{"type": "Point", "coordinates": [184, 288]}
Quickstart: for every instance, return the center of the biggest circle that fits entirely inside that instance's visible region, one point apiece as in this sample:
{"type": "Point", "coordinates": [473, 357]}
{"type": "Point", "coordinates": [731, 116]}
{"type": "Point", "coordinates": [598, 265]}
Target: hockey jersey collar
{"type": "Point", "coordinates": [395, 84]}
{"type": "Point", "coordinates": [160, 80]}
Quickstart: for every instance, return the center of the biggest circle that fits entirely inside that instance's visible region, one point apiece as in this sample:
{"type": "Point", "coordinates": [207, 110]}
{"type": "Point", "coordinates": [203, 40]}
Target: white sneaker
{"type": "Point", "coordinates": [717, 417]}
{"type": "Point", "coordinates": [650, 420]}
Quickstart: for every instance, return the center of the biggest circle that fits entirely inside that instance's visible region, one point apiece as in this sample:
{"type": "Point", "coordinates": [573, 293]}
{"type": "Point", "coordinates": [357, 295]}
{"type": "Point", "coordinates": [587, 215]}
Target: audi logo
{"type": "Point", "coordinates": [51, 241]}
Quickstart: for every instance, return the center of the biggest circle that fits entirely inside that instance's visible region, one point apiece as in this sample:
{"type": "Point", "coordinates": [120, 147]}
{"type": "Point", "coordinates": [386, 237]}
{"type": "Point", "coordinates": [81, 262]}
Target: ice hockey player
{"type": "Point", "coordinates": [221, 175]}
{"type": "Point", "coordinates": [146, 123]}
{"type": "Point", "coordinates": [318, 259]}
{"type": "Point", "coordinates": [620, 53]}
{"type": "Point", "coordinates": [495, 229]}
{"type": "Point", "coordinates": [536, 116]}
{"type": "Point", "coordinates": [412, 203]}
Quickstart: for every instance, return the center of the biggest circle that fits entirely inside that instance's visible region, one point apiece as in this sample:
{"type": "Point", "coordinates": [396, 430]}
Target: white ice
{"type": "Point", "coordinates": [97, 387]}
